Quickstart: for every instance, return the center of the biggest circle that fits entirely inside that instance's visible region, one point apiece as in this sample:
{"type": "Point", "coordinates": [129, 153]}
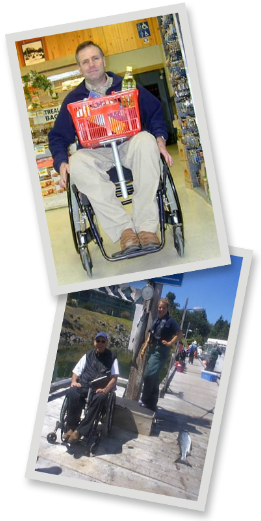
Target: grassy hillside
{"type": "Point", "coordinates": [77, 335]}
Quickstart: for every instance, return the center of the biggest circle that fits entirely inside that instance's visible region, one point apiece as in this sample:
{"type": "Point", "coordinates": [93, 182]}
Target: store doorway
{"type": "Point", "coordinates": [155, 82]}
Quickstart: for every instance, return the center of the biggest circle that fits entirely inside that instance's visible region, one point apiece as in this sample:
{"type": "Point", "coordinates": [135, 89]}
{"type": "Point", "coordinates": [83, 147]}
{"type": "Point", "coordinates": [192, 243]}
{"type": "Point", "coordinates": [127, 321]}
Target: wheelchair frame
{"type": "Point", "coordinates": [80, 210]}
{"type": "Point", "coordinates": [102, 423]}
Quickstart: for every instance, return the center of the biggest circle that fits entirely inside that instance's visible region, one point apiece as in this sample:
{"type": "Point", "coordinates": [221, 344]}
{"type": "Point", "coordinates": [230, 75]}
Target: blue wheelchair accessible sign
{"type": "Point", "coordinates": [170, 280]}
{"type": "Point", "coordinates": [143, 29]}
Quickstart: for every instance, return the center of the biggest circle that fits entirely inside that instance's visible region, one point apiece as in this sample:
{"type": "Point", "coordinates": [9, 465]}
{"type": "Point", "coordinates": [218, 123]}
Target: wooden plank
{"type": "Point", "coordinates": [113, 39]}
{"type": "Point", "coordinates": [108, 473]}
{"type": "Point", "coordinates": [135, 461]}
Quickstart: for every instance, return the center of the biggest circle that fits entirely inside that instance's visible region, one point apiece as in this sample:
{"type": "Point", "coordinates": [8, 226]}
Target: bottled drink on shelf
{"type": "Point", "coordinates": [128, 81]}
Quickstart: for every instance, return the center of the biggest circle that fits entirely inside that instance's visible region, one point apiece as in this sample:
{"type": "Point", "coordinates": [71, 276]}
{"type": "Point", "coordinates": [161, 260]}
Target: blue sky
{"type": "Point", "coordinates": [213, 289]}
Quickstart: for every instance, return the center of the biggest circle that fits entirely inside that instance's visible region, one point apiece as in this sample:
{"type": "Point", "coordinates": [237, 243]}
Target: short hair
{"type": "Point", "coordinates": [83, 45]}
{"type": "Point", "coordinates": [164, 301]}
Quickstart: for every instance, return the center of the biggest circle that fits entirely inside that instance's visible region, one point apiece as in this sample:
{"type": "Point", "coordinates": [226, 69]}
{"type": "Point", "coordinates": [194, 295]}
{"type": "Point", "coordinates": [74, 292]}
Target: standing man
{"type": "Point", "coordinates": [163, 335]}
{"type": "Point", "coordinates": [98, 362]}
{"type": "Point", "coordinates": [192, 350]}
{"type": "Point", "coordinates": [213, 358]}
{"type": "Point", "coordinates": [88, 167]}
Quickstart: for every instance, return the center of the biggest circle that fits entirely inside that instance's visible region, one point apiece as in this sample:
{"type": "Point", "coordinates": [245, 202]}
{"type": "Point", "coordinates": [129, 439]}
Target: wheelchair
{"type": "Point", "coordinates": [111, 120]}
{"type": "Point", "coordinates": [102, 424]}
{"type": "Point", "coordinates": [84, 223]}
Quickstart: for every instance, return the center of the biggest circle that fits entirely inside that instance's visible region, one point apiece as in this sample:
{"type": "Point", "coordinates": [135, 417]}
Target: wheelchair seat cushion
{"type": "Point", "coordinates": [114, 176]}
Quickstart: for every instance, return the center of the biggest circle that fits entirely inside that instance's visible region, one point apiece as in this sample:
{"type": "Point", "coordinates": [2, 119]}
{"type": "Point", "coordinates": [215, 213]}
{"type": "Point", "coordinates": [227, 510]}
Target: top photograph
{"type": "Point", "coordinates": [118, 149]}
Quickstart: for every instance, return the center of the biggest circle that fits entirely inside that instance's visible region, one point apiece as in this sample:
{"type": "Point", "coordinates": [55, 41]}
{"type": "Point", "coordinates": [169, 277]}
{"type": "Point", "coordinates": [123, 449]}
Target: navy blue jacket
{"type": "Point", "coordinates": [163, 328]}
{"type": "Point", "coordinates": [63, 132]}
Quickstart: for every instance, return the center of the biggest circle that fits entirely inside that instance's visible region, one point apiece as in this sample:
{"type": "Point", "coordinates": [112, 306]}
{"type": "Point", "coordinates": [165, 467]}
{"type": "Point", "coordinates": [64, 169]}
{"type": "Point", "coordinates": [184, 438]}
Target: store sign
{"type": "Point", "coordinates": [46, 115]}
{"type": "Point", "coordinates": [51, 113]}
{"type": "Point", "coordinates": [170, 280]}
{"type": "Point", "coordinates": [143, 29]}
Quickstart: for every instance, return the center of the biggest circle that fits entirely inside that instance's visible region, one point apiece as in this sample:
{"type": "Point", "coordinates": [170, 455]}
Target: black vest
{"type": "Point", "coordinates": [96, 365]}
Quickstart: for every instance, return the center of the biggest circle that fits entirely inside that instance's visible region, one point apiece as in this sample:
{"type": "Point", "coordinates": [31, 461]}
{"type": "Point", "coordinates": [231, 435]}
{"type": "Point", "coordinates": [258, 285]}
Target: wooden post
{"type": "Point", "coordinates": [135, 377]}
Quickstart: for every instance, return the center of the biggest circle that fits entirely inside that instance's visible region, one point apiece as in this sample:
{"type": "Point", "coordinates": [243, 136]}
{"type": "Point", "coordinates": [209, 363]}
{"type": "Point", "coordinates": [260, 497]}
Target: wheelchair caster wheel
{"type": "Point", "coordinates": [51, 437]}
{"type": "Point", "coordinates": [178, 241]}
{"type": "Point", "coordinates": [93, 448]}
{"type": "Point", "coordinates": [86, 261]}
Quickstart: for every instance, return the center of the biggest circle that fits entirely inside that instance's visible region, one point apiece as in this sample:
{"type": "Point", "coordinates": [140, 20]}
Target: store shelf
{"type": "Point", "coordinates": [186, 123]}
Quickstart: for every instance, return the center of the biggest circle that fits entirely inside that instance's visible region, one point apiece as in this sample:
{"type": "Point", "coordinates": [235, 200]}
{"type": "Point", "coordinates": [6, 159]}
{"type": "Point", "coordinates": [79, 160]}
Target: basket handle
{"type": "Point", "coordinates": [104, 109]}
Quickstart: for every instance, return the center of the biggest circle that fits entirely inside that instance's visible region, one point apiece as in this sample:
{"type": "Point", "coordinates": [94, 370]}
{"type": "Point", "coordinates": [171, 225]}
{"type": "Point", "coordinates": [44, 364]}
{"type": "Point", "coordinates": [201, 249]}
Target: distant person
{"type": "Point", "coordinates": [163, 335]}
{"type": "Point", "coordinates": [179, 354]}
{"type": "Point", "coordinates": [192, 351]}
{"type": "Point", "coordinates": [214, 353]}
{"type": "Point", "coordinates": [93, 364]}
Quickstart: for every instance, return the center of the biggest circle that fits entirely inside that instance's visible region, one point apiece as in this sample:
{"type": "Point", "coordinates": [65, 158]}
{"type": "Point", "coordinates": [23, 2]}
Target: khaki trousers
{"type": "Point", "coordinates": [88, 171]}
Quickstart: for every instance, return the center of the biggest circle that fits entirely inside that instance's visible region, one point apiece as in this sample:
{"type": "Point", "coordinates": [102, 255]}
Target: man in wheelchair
{"type": "Point", "coordinates": [98, 362]}
{"type": "Point", "coordinates": [141, 154]}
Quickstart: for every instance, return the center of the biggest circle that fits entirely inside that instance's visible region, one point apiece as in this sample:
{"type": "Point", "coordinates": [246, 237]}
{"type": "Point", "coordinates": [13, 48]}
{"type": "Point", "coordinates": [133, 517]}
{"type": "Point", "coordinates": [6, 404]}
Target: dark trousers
{"type": "Point", "coordinates": [191, 358]}
{"type": "Point", "coordinates": [150, 394]}
{"type": "Point", "coordinates": [76, 402]}
{"type": "Point", "coordinates": [211, 365]}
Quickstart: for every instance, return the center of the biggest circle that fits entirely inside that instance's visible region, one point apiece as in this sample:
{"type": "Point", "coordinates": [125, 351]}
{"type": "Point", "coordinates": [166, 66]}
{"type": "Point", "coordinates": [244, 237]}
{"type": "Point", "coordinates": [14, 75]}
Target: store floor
{"type": "Point", "coordinates": [201, 241]}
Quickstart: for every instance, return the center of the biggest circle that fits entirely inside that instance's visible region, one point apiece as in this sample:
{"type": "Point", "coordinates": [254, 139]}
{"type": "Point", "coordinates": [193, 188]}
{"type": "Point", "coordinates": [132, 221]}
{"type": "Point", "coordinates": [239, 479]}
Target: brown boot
{"type": "Point", "coordinates": [148, 240]}
{"type": "Point", "coordinates": [74, 438]}
{"type": "Point", "coordinates": [129, 243]}
{"type": "Point", "coordinates": [67, 434]}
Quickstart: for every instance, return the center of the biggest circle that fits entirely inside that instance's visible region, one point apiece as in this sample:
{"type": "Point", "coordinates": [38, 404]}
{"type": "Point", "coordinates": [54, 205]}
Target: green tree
{"type": "Point", "coordinates": [173, 307]}
{"type": "Point", "coordinates": [220, 330]}
{"type": "Point", "coordinates": [198, 322]}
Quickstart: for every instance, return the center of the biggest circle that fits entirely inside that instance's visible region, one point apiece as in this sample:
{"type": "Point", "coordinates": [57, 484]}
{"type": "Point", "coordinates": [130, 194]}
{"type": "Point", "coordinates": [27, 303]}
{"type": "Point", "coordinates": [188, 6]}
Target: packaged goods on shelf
{"type": "Point", "coordinates": [45, 184]}
{"type": "Point", "coordinates": [45, 162]}
{"type": "Point", "coordinates": [48, 191]}
{"type": "Point", "coordinates": [189, 145]}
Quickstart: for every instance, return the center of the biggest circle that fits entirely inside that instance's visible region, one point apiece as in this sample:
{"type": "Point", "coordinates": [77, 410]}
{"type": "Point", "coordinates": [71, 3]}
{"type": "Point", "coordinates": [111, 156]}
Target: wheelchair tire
{"type": "Point", "coordinates": [86, 260]}
{"type": "Point", "coordinates": [178, 241]}
{"type": "Point", "coordinates": [51, 437]}
{"type": "Point", "coordinates": [109, 414]}
{"type": "Point", "coordinates": [63, 416]}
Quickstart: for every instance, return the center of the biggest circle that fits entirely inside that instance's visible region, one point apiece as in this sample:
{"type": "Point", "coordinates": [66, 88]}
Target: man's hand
{"type": "Point", "coordinates": [162, 148]}
{"type": "Point", "coordinates": [105, 390]}
{"type": "Point", "coordinates": [75, 384]}
{"type": "Point", "coordinates": [165, 343]}
{"type": "Point", "coordinates": [64, 171]}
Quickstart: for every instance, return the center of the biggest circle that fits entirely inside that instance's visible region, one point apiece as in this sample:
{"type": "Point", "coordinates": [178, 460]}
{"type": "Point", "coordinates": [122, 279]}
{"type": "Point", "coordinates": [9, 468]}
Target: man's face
{"type": "Point", "coordinates": [92, 65]}
{"type": "Point", "coordinates": [100, 344]}
{"type": "Point", "coordinates": [162, 309]}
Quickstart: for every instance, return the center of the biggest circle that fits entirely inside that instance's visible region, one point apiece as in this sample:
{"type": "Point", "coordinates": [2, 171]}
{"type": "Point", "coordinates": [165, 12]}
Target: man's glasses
{"type": "Point", "coordinates": [100, 341]}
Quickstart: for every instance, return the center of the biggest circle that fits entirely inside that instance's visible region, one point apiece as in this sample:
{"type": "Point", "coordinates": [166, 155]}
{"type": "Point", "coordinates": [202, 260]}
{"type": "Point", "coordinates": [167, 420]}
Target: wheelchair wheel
{"type": "Point", "coordinates": [178, 241]}
{"type": "Point", "coordinates": [51, 437]}
{"type": "Point", "coordinates": [63, 416]}
{"type": "Point", "coordinates": [86, 260]}
{"type": "Point", "coordinates": [109, 414]}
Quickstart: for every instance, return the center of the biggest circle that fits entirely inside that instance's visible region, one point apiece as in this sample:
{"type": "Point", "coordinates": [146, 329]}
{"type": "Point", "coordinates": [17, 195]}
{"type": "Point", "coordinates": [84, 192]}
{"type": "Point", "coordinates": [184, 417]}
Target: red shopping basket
{"type": "Point", "coordinates": [97, 120]}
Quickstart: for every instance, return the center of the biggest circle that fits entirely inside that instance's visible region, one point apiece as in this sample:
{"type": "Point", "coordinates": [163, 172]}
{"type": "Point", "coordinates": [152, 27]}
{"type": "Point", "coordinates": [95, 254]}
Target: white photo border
{"type": "Point", "coordinates": [219, 408]}
{"type": "Point", "coordinates": [204, 137]}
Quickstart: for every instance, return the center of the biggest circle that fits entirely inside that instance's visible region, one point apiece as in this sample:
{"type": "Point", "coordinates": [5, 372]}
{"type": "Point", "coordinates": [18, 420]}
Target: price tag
{"type": "Point", "coordinates": [39, 150]}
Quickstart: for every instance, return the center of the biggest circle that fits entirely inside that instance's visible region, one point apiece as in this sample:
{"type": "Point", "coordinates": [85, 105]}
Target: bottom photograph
{"type": "Point", "coordinates": [135, 385]}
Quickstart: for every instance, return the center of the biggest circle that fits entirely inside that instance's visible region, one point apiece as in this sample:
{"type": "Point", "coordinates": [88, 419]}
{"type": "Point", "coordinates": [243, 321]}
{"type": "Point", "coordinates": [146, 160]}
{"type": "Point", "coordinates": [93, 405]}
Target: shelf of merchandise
{"type": "Point", "coordinates": [41, 121]}
{"type": "Point", "coordinates": [53, 195]}
{"type": "Point", "coordinates": [189, 145]}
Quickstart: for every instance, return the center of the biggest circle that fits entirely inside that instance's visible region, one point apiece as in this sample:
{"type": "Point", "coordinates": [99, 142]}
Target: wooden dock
{"type": "Point", "coordinates": [137, 461]}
